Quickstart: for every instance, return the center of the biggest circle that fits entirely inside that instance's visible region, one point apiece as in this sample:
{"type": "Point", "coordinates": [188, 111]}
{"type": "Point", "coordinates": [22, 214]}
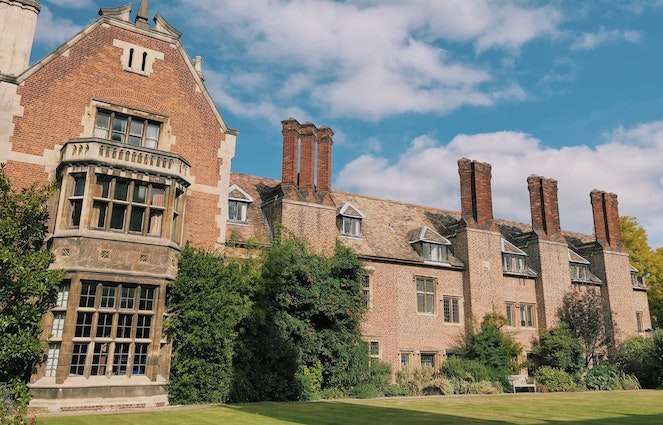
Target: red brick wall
{"type": "Point", "coordinates": [57, 97]}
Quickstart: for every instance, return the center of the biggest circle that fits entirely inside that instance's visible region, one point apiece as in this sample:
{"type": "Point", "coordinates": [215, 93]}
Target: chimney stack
{"type": "Point", "coordinates": [290, 152]}
{"type": "Point", "coordinates": [544, 207]}
{"type": "Point", "coordinates": [476, 199]}
{"type": "Point", "coordinates": [300, 169]}
{"type": "Point", "coordinates": [325, 142]}
{"type": "Point", "coordinates": [606, 220]}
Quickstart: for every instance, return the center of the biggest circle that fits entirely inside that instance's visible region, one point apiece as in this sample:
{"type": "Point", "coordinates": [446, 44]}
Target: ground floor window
{"type": "Point", "coordinates": [428, 359]}
{"type": "Point", "coordinates": [52, 359]}
{"type": "Point", "coordinates": [405, 359]}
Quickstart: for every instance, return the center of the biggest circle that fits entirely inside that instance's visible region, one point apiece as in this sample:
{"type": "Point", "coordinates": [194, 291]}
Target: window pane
{"type": "Point", "coordinates": [79, 185]}
{"type": "Point", "coordinates": [127, 300]}
{"type": "Point", "coordinates": [58, 324]}
{"type": "Point", "coordinates": [140, 193]}
{"type": "Point", "coordinates": [140, 359]}
{"type": "Point", "coordinates": [76, 206]}
{"type": "Point", "coordinates": [429, 304]}
{"type": "Point", "coordinates": [158, 196]}
{"type": "Point", "coordinates": [63, 295]}
{"type": "Point", "coordinates": [100, 209]}
{"type": "Point", "coordinates": [103, 187]}
{"type": "Point", "coordinates": [143, 326]}
{"type": "Point", "coordinates": [120, 359]}
{"type": "Point", "coordinates": [88, 292]}
{"type": "Point", "coordinates": [152, 136]}
{"type": "Point", "coordinates": [154, 228]}
{"type": "Point", "coordinates": [101, 125]}
{"type": "Point", "coordinates": [136, 219]}
{"type": "Point", "coordinates": [119, 129]}
{"type": "Point", "coordinates": [83, 324]}
{"type": "Point", "coordinates": [124, 326]}
{"type": "Point", "coordinates": [421, 303]}
{"type": "Point", "coordinates": [104, 325]}
{"type": "Point", "coordinates": [107, 297]}
{"type": "Point", "coordinates": [78, 357]}
{"type": "Point", "coordinates": [136, 132]}
{"type": "Point", "coordinates": [121, 190]}
{"type": "Point", "coordinates": [99, 359]}
{"type": "Point", "coordinates": [52, 359]}
{"type": "Point", "coordinates": [117, 217]}
{"type": "Point", "coordinates": [455, 310]}
{"type": "Point", "coordinates": [447, 310]}
{"type": "Point", "coordinates": [146, 298]}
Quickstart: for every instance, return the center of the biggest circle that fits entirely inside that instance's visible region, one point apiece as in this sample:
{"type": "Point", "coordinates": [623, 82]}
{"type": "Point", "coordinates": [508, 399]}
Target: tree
{"type": "Point", "coordinates": [559, 348]}
{"type": "Point", "coordinates": [207, 301]}
{"type": "Point", "coordinates": [648, 262]}
{"type": "Point", "coordinates": [492, 347]}
{"type": "Point", "coordinates": [27, 286]}
{"type": "Point", "coordinates": [307, 313]}
{"type": "Point", "coordinates": [583, 314]}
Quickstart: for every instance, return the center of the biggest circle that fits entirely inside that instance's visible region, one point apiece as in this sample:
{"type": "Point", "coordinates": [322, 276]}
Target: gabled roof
{"type": "Point", "coordinates": [349, 210]}
{"type": "Point", "coordinates": [235, 193]}
{"type": "Point", "coordinates": [509, 248]}
{"type": "Point", "coordinates": [576, 258]}
{"type": "Point", "coordinates": [424, 234]}
{"type": "Point", "coordinates": [119, 17]}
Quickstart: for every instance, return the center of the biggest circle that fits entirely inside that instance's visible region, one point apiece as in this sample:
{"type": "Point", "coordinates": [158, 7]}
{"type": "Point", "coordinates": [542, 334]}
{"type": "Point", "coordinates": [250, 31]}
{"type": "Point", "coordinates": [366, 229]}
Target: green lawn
{"type": "Point", "coordinates": [616, 407]}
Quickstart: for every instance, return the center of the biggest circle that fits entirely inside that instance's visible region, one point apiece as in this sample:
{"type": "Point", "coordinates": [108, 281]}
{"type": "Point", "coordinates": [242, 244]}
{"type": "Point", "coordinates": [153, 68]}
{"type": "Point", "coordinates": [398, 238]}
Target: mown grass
{"type": "Point", "coordinates": [616, 407]}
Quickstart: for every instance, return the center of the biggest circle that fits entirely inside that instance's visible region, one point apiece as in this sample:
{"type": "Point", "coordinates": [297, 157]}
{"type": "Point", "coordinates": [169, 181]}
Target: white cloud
{"type": "Point", "coordinates": [51, 31]}
{"type": "Point", "coordinates": [72, 3]}
{"type": "Point", "coordinates": [627, 163]}
{"type": "Point", "coordinates": [591, 40]}
{"type": "Point", "coordinates": [373, 58]}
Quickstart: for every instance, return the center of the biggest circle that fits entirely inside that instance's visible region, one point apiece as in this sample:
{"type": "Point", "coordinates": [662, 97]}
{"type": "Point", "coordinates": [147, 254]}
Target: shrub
{"type": "Point", "coordinates": [465, 369]}
{"type": "Point", "coordinates": [461, 386]}
{"type": "Point", "coordinates": [559, 348]}
{"type": "Point", "coordinates": [310, 379]}
{"type": "Point", "coordinates": [14, 400]}
{"type": "Point", "coordinates": [555, 380]}
{"type": "Point", "coordinates": [607, 377]}
{"type": "Point", "coordinates": [380, 375]}
{"type": "Point", "coordinates": [634, 357]}
{"type": "Point", "coordinates": [365, 390]}
{"type": "Point", "coordinates": [414, 379]}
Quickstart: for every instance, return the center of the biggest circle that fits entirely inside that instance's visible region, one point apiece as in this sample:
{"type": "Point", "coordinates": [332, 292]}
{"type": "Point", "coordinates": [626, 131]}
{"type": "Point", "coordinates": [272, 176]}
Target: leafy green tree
{"type": "Point", "coordinates": [559, 348]}
{"type": "Point", "coordinates": [648, 262]}
{"type": "Point", "coordinates": [27, 286]}
{"type": "Point", "coordinates": [492, 347]}
{"type": "Point", "coordinates": [583, 314]}
{"type": "Point", "coordinates": [308, 311]}
{"type": "Point", "coordinates": [635, 356]}
{"type": "Point", "coordinates": [207, 301]}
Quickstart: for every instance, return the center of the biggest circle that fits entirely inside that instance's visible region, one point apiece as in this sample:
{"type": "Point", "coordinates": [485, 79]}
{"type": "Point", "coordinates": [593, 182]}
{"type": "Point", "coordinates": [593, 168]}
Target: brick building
{"type": "Point", "coordinates": [432, 274]}
{"type": "Point", "coordinates": [120, 118]}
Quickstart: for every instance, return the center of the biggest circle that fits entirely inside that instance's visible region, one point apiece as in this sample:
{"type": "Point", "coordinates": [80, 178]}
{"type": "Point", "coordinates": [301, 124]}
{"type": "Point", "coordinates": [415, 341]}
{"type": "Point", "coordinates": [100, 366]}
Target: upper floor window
{"type": "Point", "coordinates": [430, 245]}
{"type": "Point", "coordinates": [76, 200]}
{"type": "Point", "coordinates": [238, 204]}
{"type": "Point", "coordinates": [425, 294]}
{"type": "Point", "coordinates": [579, 269]}
{"type": "Point", "coordinates": [527, 315]}
{"type": "Point", "coordinates": [349, 220]}
{"type": "Point", "coordinates": [127, 129]}
{"type": "Point", "coordinates": [638, 282]}
{"type": "Point", "coordinates": [514, 260]}
{"type": "Point", "coordinates": [128, 206]}
{"type": "Point", "coordinates": [366, 289]}
{"type": "Point", "coordinates": [452, 309]}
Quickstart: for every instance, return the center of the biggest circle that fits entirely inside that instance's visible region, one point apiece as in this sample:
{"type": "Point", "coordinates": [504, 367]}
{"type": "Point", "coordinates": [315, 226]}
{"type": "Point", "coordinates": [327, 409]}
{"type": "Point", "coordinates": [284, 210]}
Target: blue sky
{"type": "Point", "coordinates": [564, 89]}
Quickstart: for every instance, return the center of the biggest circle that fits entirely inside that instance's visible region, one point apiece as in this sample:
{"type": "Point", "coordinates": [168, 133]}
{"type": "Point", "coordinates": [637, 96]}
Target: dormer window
{"type": "Point", "coordinates": [238, 204]}
{"type": "Point", "coordinates": [430, 245]}
{"type": "Point", "coordinates": [349, 220]}
{"type": "Point", "coordinates": [638, 282]}
{"type": "Point", "coordinates": [514, 261]}
{"type": "Point", "coordinates": [579, 268]}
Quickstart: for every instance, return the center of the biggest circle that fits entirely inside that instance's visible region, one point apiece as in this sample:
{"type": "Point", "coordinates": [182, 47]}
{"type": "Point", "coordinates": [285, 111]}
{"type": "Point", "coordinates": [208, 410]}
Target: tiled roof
{"type": "Point", "coordinates": [387, 226]}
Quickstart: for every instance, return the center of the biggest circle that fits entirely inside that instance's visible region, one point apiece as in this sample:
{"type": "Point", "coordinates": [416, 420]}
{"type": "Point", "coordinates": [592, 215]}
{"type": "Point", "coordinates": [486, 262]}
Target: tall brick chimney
{"type": "Point", "coordinates": [544, 207]}
{"type": "Point", "coordinates": [476, 200]}
{"type": "Point", "coordinates": [290, 152]}
{"type": "Point", "coordinates": [325, 141]}
{"type": "Point", "coordinates": [606, 220]}
{"type": "Point", "coordinates": [307, 134]}
{"type": "Point", "coordinates": [306, 168]}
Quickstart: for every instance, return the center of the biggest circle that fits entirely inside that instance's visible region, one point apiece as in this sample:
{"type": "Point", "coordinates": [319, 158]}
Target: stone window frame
{"type": "Point", "coordinates": [129, 331]}
{"type": "Point", "coordinates": [426, 296]}
{"type": "Point", "coordinates": [107, 119]}
{"type": "Point", "coordinates": [452, 309]}
{"type": "Point", "coordinates": [527, 313]}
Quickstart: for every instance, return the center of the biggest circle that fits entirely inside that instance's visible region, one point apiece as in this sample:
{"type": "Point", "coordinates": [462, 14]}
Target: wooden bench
{"type": "Point", "coordinates": [521, 381]}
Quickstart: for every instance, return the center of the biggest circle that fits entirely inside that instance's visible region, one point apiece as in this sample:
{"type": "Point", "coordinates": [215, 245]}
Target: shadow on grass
{"type": "Point", "coordinates": [332, 413]}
